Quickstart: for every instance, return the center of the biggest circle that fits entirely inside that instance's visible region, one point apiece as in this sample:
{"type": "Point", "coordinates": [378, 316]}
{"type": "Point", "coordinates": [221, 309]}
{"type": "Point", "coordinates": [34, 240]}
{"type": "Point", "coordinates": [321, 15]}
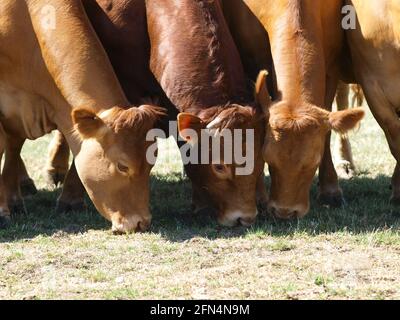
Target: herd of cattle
{"type": "Point", "coordinates": [108, 71]}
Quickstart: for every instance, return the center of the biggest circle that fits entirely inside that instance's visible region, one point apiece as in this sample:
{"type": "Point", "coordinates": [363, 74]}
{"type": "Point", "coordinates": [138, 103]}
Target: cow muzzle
{"type": "Point", "coordinates": [287, 213]}
{"type": "Point", "coordinates": [238, 218]}
{"type": "Point", "coordinates": [123, 225]}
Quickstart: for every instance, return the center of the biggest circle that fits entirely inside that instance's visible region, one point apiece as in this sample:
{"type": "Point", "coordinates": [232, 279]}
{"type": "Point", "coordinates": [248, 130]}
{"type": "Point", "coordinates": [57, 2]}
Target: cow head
{"type": "Point", "coordinates": [228, 186]}
{"type": "Point", "coordinates": [112, 163]}
{"type": "Point", "coordinates": [294, 147]}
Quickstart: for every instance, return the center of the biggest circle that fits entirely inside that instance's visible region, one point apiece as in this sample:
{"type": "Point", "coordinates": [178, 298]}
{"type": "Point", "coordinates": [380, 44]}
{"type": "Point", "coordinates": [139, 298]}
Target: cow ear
{"type": "Point", "coordinates": [152, 113]}
{"type": "Point", "coordinates": [189, 127]}
{"type": "Point", "coordinates": [343, 121]}
{"type": "Point", "coordinates": [261, 93]}
{"type": "Point", "coordinates": [88, 124]}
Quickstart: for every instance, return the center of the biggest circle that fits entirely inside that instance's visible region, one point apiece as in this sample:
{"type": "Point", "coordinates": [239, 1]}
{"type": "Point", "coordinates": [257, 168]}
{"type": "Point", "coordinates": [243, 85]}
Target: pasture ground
{"type": "Point", "coordinates": [349, 253]}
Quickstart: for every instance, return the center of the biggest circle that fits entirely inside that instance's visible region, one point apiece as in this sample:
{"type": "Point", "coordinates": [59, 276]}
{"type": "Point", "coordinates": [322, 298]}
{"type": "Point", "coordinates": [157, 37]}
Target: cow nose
{"type": "Point", "coordinates": [131, 225]}
{"type": "Point", "coordinates": [143, 225]}
{"type": "Point", "coordinates": [237, 218]}
{"type": "Point", "coordinates": [247, 222]}
{"type": "Point", "coordinates": [286, 213]}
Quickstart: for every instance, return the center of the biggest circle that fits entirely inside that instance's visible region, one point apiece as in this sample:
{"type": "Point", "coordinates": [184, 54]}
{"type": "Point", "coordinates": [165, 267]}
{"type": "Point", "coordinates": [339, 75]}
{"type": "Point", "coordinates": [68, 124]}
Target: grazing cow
{"type": "Point", "coordinates": [122, 29]}
{"type": "Point", "coordinates": [202, 75]}
{"type": "Point", "coordinates": [375, 51]}
{"type": "Point", "coordinates": [196, 61]}
{"type": "Point", "coordinates": [306, 41]}
{"type": "Point", "coordinates": [347, 96]}
{"type": "Point", "coordinates": [51, 65]}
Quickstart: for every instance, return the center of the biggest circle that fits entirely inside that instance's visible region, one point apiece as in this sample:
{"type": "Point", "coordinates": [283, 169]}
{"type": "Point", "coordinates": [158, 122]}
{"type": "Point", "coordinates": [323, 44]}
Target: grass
{"type": "Point", "coordinates": [349, 253]}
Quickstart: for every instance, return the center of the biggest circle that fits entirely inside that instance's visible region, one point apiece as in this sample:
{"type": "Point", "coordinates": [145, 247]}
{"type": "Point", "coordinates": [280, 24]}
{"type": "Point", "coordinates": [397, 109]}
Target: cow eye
{"type": "Point", "coordinates": [220, 168]}
{"type": "Point", "coordinates": [122, 168]}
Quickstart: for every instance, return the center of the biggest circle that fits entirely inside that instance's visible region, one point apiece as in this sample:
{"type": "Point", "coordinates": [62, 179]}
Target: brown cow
{"type": "Point", "coordinates": [124, 43]}
{"type": "Point", "coordinates": [306, 40]}
{"type": "Point", "coordinates": [52, 63]}
{"type": "Point", "coordinates": [122, 29]}
{"type": "Point", "coordinates": [195, 60]}
{"type": "Point", "coordinates": [375, 50]}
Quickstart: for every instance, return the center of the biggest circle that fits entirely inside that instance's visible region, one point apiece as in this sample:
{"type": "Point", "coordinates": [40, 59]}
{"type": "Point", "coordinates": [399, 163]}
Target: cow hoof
{"type": "Point", "coordinates": [28, 188]}
{"type": "Point", "coordinates": [5, 221]}
{"type": "Point", "coordinates": [17, 207]}
{"type": "Point", "coordinates": [65, 207]}
{"type": "Point", "coordinates": [333, 200]}
{"type": "Point", "coordinates": [55, 178]}
{"type": "Point", "coordinates": [345, 170]}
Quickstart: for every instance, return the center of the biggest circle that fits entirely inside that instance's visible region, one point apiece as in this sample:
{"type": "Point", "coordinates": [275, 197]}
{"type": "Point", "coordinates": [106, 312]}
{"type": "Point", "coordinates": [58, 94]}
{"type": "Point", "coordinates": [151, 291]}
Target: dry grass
{"type": "Point", "coordinates": [350, 253]}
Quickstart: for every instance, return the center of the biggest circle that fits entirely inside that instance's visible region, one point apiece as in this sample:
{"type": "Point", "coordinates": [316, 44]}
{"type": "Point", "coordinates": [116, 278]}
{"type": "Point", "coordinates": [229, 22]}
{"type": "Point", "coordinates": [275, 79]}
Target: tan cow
{"type": "Point", "coordinates": [375, 50]}
{"type": "Point", "coordinates": [52, 64]}
{"type": "Point", "coordinates": [306, 40]}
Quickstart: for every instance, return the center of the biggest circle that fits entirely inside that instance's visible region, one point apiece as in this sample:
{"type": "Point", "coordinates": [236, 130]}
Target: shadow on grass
{"type": "Point", "coordinates": [367, 210]}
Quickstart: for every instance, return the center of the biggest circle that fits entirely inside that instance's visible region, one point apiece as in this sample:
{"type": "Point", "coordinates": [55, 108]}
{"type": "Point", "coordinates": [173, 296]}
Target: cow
{"type": "Point", "coordinates": [203, 79]}
{"type": "Point", "coordinates": [347, 96]}
{"type": "Point", "coordinates": [375, 52]}
{"type": "Point", "coordinates": [54, 74]}
{"type": "Point", "coordinates": [122, 29]}
{"type": "Point", "coordinates": [306, 41]}
{"type": "Point", "coordinates": [194, 58]}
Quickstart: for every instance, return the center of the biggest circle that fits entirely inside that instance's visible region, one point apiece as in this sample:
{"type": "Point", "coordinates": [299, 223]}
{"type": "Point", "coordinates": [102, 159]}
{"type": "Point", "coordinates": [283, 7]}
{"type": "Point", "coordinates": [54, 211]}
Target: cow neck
{"type": "Point", "coordinates": [75, 59]}
{"type": "Point", "coordinates": [201, 66]}
{"type": "Point", "coordinates": [297, 50]}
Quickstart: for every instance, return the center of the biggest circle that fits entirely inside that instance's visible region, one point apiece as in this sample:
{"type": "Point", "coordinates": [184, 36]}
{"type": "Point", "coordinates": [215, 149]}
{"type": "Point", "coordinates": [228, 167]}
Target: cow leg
{"type": "Point", "coordinates": [5, 216]}
{"type": "Point", "coordinates": [58, 160]}
{"type": "Point", "coordinates": [11, 175]}
{"type": "Point", "coordinates": [4, 211]}
{"type": "Point", "coordinates": [357, 95]}
{"type": "Point", "coordinates": [72, 197]}
{"type": "Point", "coordinates": [262, 195]}
{"type": "Point", "coordinates": [385, 113]}
{"type": "Point", "coordinates": [27, 185]}
{"type": "Point", "coordinates": [342, 153]}
{"type": "Point", "coordinates": [329, 190]}
{"type": "Point", "coordinates": [395, 198]}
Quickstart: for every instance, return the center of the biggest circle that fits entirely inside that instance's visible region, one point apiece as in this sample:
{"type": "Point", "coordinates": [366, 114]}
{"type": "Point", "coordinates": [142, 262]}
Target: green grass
{"type": "Point", "coordinates": [349, 253]}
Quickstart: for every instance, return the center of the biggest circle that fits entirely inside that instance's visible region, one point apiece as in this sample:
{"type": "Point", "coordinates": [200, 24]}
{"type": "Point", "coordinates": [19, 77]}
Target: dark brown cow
{"type": "Point", "coordinates": [306, 42]}
{"type": "Point", "coordinates": [195, 59]}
